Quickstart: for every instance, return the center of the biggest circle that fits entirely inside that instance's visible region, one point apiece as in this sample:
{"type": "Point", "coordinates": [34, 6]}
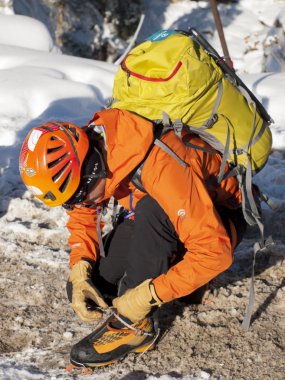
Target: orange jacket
{"type": "Point", "coordinates": [185, 193]}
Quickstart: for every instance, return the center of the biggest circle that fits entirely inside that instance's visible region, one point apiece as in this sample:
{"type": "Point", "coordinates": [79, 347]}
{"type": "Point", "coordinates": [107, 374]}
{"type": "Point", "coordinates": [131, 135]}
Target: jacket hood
{"type": "Point", "coordinates": [127, 139]}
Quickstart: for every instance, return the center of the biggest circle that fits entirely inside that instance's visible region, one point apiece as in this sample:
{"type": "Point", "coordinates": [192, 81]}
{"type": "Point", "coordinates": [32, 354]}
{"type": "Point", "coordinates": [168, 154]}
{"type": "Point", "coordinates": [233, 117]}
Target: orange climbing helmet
{"type": "Point", "coordinates": [53, 163]}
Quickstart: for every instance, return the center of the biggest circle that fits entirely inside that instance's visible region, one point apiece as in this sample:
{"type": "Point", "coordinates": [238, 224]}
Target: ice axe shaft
{"type": "Point", "coordinates": [220, 30]}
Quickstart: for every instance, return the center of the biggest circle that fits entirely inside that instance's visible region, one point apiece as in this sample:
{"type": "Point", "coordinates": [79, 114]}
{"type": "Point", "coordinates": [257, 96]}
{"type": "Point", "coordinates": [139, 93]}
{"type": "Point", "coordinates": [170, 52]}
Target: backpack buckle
{"type": "Point", "coordinates": [210, 122]}
{"type": "Point", "coordinates": [178, 127]}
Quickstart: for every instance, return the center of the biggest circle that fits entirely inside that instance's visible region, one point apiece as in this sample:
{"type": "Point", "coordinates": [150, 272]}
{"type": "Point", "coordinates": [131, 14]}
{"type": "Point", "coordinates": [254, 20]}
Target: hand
{"type": "Point", "coordinates": [136, 303]}
{"type": "Point", "coordinates": [84, 290]}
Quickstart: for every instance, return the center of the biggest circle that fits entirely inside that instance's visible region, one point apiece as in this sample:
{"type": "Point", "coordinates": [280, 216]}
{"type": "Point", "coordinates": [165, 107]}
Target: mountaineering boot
{"type": "Point", "coordinates": [112, 340]}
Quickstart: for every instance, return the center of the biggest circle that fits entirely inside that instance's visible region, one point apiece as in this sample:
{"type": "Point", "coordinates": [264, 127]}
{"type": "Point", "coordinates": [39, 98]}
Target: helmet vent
{"type": "Point", "coordinates": [73, 131]}
{"type": "Point", "coordinates": [59, 173]}
{"type": "Point", "coordinates": [54, 163]}
{"type": "Point", "coordinates": [65, 182]}
{"type": "Point", "coordinates": [52, 150]}
{"type": "Point", "coordinates": [50, 196]}
{"type": "Point", "coordinates": [46, 128]}
{"type": "Point", "coordinates": [54, 138]}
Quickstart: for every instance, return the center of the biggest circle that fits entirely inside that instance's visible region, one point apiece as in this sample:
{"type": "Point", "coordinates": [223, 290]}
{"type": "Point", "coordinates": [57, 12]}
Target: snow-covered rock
{"type": "Point", "coordinates": [25, 32]}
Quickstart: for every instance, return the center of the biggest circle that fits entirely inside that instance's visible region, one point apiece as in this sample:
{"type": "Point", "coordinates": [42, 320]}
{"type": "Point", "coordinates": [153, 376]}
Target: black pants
{"type": "Point", "coordinates": [144, 248]}
{"type": "Point", "coordinates": [137, 250]}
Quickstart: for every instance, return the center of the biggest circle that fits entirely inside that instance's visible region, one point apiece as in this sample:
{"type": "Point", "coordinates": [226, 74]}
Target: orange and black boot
{"type": "Point", "coordinates": [111, 341]}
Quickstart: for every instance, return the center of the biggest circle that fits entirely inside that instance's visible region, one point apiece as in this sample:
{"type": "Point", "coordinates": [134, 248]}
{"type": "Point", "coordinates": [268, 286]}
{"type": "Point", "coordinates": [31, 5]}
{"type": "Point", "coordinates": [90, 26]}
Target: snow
{"type": "Point", "coordinates": [38, 83]}
{"type": "Point", "coordinates": [26, 32]}
{"type": "Point", "coordinates": [247, 25]}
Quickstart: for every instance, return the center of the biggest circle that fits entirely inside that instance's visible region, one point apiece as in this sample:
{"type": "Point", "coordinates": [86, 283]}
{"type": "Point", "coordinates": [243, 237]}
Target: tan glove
{"type": "Point", "coordinates": [82, 290]}
{"type": "Point", "coordinates": [136, 303]}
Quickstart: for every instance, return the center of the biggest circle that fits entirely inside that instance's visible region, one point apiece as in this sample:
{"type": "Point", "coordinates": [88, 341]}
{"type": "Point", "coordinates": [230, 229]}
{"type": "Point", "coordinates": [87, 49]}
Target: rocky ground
{"type": "Point", "coordinates": [38, 326]}
{"type": "Point", "coordinates": [205, 341]}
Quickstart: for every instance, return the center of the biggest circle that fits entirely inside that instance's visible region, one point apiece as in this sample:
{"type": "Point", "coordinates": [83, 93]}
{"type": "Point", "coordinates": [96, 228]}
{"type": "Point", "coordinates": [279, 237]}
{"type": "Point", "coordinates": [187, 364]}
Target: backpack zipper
{"type": "Point", "coordinates": [143, 77]}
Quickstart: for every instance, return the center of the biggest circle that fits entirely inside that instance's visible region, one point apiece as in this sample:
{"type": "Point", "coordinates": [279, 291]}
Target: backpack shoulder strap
{"type": "Point", "coordinates": [159, 131]}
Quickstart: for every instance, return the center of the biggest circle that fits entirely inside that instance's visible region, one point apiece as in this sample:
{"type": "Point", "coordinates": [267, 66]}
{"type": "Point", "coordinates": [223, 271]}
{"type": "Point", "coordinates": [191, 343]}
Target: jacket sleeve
{"type": "Point", "coordinates": [182, 194]}
{"type": "Point", "coordinates": [83, 239]}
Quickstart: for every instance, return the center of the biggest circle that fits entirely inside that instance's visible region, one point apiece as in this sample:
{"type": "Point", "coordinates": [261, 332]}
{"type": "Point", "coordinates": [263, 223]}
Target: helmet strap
{"type": "Point", "coordinates": [93, 168]}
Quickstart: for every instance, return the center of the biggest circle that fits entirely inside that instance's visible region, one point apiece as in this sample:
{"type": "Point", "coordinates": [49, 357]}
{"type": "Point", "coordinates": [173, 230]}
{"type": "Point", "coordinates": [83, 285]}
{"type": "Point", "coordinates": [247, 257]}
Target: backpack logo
{"type": "Point", "coordinates": [161, 35]}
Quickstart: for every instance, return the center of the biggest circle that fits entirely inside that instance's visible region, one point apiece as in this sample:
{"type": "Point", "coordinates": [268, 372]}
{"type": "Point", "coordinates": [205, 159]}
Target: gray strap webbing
{"type": "Point", "coordinates": [255, 139]}
{"type": "Point", "coordinates": [247, 318]}
{"type": "Point", "coordinates": [136, 174]}
{"type": "Point", "coordinates": [252, 203]}
{"type": "Point", "coordinates": [246, 206]}
{"type": "Point", "coordinates": [178, 128]}
{"type": "Point", "coordinates": [177, 125]}
{"type": "Point", "coordinates": [249, 309]}
{"type": "Point", "coordinates": [166, 123]}
{"type": "Point", "coordinates": [245, 94]}
{"type": "Point", "coordinates": [165, 120]}
{"type": "Point", "coordinates": [226, 153]}
{"type": "Point", "coordinates": [250, 211]}
{"type": "Point", "coordinates": [206, 150]}
{"type": "Point", "coordinates": [216, 105]}
{"type": "Point", "coordinates": [232, 173]}
{"type": "Point", "coordinates": [254, 125]}
{"type": "Point", "coordinates": [253, 217]}
{"type": "Point", "coordinates": [100, 240]}
{"type": "Point", "coordinates": [164, 147]}
{"type": "Point", "coordinates": [267, 200]}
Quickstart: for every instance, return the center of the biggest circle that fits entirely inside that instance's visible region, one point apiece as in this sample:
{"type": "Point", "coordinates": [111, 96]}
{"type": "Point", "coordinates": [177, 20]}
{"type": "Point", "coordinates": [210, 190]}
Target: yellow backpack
{"type": "Point", "coordinates": [170, 72]}
{"type": "Point", "coordinates": [180, 75]}
{"type": "Point", "coordinates": [177, 79]}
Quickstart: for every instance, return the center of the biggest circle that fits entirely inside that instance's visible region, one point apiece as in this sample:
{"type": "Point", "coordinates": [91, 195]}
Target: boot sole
{"type": "Point", "coordinates": [94, 365]}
